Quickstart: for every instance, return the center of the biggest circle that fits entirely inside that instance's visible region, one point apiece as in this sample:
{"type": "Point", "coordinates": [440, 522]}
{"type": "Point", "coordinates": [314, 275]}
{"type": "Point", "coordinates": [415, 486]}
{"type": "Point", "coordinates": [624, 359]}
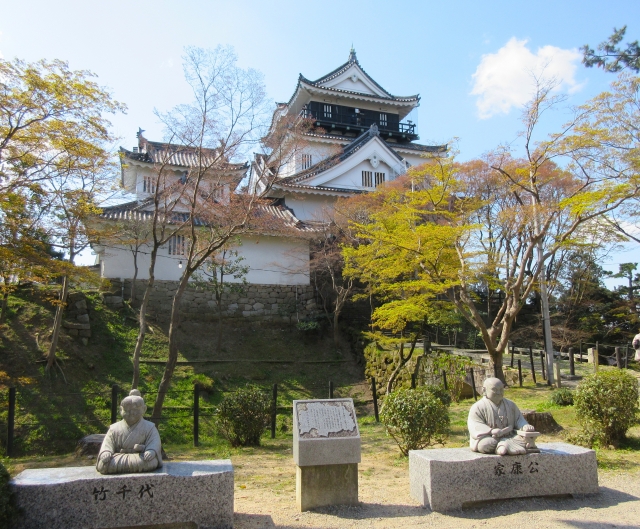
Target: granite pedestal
{"type": "Point", "coordinates": [448, 478]}
{"type": "Point", "coordinates": [326, 450]}
{"type": "Point", "coordinates": [194, 493]}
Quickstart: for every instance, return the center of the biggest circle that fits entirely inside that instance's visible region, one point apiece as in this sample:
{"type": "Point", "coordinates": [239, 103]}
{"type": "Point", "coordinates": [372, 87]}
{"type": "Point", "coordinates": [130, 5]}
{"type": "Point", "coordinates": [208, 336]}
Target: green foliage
{"type": "Point", "coordinates": [243, 415]}
{"type": "Point", "coordinates": [612, 58]}
{"type": "Point", "coordinates": [456, 369]}
{"type": "Point", "coordinates": [7, 507]}
{"type": "Point", "coordinates": [307, 326]}
{"type": "Point", "coordinates": [607, 406]}
{"type": "Point", "coordinates": [562, 397]}
{"type": "Point", "coordinates": [415, 418]}
{"type": "Point", "coordinates": [439, 393]}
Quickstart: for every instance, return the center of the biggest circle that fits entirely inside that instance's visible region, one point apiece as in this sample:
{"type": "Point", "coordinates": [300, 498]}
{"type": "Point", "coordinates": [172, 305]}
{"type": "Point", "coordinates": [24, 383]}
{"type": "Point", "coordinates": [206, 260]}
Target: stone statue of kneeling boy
{"type": "Point", "coordinates": [493, 422]}
{"type": "Point", "coordinates": [133, 444]}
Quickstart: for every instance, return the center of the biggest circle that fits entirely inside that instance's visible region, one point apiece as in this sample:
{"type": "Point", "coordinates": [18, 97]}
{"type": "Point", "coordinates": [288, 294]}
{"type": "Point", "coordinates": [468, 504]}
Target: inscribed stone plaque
{"type": "Point", "coordinates": [325, 432]}
{"type": "Point", "coordinates": [326, 419]}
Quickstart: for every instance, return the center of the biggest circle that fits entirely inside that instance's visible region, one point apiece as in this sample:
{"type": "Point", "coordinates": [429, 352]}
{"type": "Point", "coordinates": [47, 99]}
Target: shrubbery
{"type": "Point", "coordinates": [607, 406]}
{"type": "Point", "coordinates": [562, 397]}
{"type": "Point", "coordinates": [456, 369]}
{"type": "Point", "coordinates": [416, 418]}
{"type": "Point", "coordinates": [7, 508]}
{"type": "Point", "coordinates": [243, 415]}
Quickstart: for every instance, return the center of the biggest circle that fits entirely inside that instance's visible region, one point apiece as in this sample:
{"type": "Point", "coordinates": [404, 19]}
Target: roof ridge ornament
{"type": "Point", "coordinates": [352, 55]}
{"type": "Point", "coordinates": [373, 130]}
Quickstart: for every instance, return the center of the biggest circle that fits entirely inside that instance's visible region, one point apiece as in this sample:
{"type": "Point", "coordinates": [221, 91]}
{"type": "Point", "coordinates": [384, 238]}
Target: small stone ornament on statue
{"type": "Point", "coordinates": [133, 444]}
{"type": "Point", "coordinates": [496, 425]}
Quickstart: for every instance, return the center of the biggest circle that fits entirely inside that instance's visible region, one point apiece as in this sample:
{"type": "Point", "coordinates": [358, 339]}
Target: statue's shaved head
{"type": "Point", "coordinates": [132, 401]}
{"type": "Point", "coordinates": [492, 382]}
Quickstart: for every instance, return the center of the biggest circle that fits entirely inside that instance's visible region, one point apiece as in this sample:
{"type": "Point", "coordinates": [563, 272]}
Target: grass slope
{"type": "Point", "coordinates": [56, 409]}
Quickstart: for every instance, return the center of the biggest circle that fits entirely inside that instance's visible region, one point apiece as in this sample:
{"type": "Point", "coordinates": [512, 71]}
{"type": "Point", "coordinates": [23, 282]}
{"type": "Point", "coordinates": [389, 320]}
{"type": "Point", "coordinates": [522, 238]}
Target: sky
{"type": "Point", "coordinates": [472, 63]}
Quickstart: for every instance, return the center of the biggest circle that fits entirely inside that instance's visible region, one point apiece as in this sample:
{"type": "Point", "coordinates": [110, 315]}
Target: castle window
{"type": "Point", "coordinates": [176, 245]}
{"type": "Point", "coordinates": [148, 185]}
{"type": "Point", "coordinates": [327, 111]}
{"type": "Point", "coordinates": [307, 161]}
{"type": "Point", "coordinates": [383, 120]}
{"type": "Point", "coordinates": [379, 178]}
{"type": "Point", "coordinates": [367, 178]}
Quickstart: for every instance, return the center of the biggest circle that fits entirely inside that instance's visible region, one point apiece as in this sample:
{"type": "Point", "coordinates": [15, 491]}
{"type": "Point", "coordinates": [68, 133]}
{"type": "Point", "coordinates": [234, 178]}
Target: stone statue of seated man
{"type": "Point", "coordinates": [493, 422]}
{"type": "Point", "coordinates": [133, 444]}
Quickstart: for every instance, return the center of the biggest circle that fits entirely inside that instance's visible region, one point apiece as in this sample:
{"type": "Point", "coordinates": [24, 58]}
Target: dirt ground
{"type": "Point", "coordinates": [265, 498]}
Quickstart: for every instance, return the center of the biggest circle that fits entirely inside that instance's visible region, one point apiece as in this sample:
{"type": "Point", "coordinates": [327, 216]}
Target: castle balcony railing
{"type": "Point", "coordinates": [346, 120]}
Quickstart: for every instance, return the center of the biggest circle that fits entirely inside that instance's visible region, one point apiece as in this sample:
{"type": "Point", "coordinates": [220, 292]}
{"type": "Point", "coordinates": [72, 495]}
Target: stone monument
{"type": "Point", "coordinates": [446, 479]}
{"type": "Point", "coordinates": [195, 494]}
{"type": "Point", "coordinates": [326, 450]}
{"type": "Point", "coordinates": [133, 444]}
{"type": "Point", "coordinates": [496, 425]}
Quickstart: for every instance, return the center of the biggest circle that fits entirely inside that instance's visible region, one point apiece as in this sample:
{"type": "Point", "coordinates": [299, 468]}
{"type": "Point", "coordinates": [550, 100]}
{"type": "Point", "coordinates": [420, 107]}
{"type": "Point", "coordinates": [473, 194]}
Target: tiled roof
{"type": "Point", "coordinates": [418, 147]}
{"type": "Point", "coordinates": [302, 79]}
{"type": "Point", "coordinates": [327, 163]}
{"type": "Point", "coordinates": [178, 155]}
{"type": "Point", "coordinates": [394, 146]}
{"type": "Point", "coordinates": [132, 211]}
{"type": "Point", "coordinates": [341, 69]}
{"type": "Point", "coordinates": [311, 189]}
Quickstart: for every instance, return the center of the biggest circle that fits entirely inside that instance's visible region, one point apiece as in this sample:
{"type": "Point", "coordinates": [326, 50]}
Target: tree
{"type": "Point", "coordinates": [164, 221]}
{"type": "Point", "coordinates": [496, 224]}
{"type": "Point", "coordinates": [612, 58]}
{"type": "Point", "coordinates": [225, 119]}
{"type": "Point", "coordinates": [25, 251]}
{"type": "Point", "coordinates": [54, 140]}
{"type": "Point", "coordinates": [213, 276]}
{"type": "Point", "coordinates": [326, 268]}
{"type": "Point", "coordinates": [626, 271]}
{"type": "Point", "coordinates": [404, 240]}
{"type": "Point", "coordinates": [52, 120]}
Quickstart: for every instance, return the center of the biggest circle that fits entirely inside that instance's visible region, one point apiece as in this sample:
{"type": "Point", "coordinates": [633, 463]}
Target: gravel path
{"type": "Point", "coordinates": [386, 503]}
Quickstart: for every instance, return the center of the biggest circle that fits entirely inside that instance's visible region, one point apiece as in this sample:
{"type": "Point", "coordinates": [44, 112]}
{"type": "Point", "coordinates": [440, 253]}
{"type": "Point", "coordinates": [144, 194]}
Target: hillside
{"type": "Point", "coordinates": [55, 409]}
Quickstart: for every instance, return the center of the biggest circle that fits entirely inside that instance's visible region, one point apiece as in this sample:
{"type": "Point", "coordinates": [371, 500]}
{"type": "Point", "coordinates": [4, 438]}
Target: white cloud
{"type": "Point", "coordinates": [505, 79]}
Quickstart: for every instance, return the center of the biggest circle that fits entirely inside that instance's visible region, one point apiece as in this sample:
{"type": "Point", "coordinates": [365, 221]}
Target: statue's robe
{"type": "Point", "coordinates": [120, 441]}
{"type": "Point", "coordinates": [636, 346]}
{"type": "Point", "coordinates": [484, 416]}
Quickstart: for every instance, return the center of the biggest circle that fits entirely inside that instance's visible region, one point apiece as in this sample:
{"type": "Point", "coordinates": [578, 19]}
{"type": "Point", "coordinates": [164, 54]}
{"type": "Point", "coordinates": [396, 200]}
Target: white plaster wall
{"type": "Point", "coordinates": [276, 260]}
{"type": "Point", "coordinates": [117, 262]}
{"type": "Point", "coordinates": [311, 207]}
{"type": "Point", "coordinates": [413, 159]}
{"type": "Point", "coordinates": [272, 261]}
{"type": "Point", "coordinates": [318, 151]}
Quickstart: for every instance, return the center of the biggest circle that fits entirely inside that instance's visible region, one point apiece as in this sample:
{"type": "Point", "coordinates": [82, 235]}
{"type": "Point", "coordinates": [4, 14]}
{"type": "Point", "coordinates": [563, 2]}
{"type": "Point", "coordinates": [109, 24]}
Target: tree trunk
{"type": "Point", "coordinates": [135, 276]}
{"type": "Point", "coordinates": [496, 361]}
{"type": "Point", "coordinates": [403, 362]}
{"type": "Point", "coordinates": [219, 302]}
{"type": "Point", "coordinates": [173, 351]}
{"type": "Point", "coordinates": [57, 323]}
{"type": "Point", "coordinates": [5, 306]}
{"type": "Point", "coordinates": [336, 332]}
{"type": "Point", "coordinates": [142, 318]}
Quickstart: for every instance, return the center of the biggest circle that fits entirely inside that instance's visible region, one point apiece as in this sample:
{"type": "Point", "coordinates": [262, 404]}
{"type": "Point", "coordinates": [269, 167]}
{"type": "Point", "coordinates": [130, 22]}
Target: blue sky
{"type": "Point", "coordinates": [470, 61]}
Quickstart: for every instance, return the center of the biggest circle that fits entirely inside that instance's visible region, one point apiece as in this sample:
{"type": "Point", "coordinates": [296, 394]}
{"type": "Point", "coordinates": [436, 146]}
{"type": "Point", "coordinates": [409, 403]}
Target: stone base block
{"type": "Point", "coordinates": [194, 493]}
{"type": "Point", "coordinates": [322, 485]}
{"type": "Point", "coordinates": [446, 479]}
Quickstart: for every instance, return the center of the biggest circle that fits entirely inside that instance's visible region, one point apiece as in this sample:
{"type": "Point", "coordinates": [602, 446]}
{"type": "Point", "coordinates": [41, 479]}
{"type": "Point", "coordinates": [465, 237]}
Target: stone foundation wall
{"type": "Point", "coordinates": [256, 302]}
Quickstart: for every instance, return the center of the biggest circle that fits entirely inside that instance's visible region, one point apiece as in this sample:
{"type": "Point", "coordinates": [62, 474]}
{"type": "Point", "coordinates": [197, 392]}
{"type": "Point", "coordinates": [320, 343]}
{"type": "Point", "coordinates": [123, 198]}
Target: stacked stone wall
{"type": "Point", "coordinates": [255, 302]}
{"type": "Point", "coordinates": [380, 363]}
